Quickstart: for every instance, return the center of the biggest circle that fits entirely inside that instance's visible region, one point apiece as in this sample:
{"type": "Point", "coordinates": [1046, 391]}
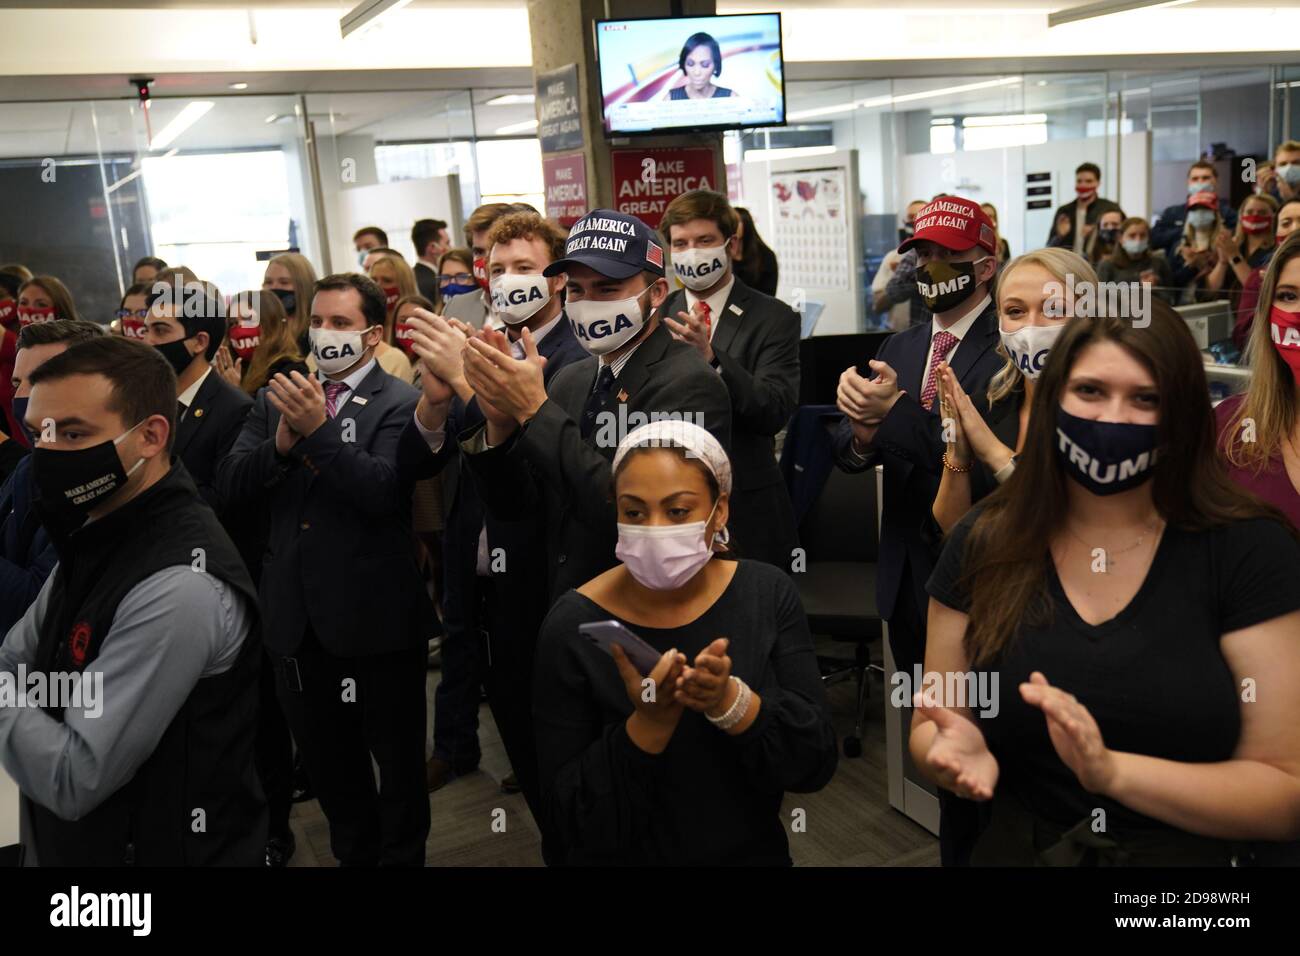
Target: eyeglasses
{"type": "Point", "coordinates": [459, 277]}
{"type": "Point", "coordinates": [132, 314]}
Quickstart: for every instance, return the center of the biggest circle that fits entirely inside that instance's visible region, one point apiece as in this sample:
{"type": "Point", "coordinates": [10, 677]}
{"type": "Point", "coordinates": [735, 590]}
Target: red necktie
{"type": "Point", "coordinates": [943, 344]}
{"type": "Point", "coordinates": [333, 390]}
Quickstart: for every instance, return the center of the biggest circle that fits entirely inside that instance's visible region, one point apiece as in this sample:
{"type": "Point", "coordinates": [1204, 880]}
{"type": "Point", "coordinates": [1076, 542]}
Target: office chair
{"type": "Point", "coordinates": [839, 535]}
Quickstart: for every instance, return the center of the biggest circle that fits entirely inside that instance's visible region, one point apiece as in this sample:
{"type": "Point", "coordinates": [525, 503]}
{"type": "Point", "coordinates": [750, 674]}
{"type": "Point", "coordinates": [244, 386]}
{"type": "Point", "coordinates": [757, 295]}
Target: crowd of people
{"type": "Point", "coordinates": [541, 451]}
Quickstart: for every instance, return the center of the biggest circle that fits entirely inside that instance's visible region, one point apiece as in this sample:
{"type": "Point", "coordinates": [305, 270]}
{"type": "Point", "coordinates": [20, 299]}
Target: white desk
{"type": "Point", "coordinates": [909, 792]}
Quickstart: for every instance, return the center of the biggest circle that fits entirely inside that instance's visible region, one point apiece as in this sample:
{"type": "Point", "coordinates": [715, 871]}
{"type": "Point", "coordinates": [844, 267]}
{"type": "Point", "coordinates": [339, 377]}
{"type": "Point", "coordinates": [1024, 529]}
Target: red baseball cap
{"type": "Point", "coordinates": [954, 223]}
{"type": "Point", "coordinates": [1203, 198]}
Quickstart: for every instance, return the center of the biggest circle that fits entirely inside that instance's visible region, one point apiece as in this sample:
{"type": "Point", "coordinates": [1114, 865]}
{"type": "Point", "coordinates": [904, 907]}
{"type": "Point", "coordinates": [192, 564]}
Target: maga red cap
{"type": "Point", "coordinates": [1203, 198]}
{"type": "Point", "coordinates": [954, 223]}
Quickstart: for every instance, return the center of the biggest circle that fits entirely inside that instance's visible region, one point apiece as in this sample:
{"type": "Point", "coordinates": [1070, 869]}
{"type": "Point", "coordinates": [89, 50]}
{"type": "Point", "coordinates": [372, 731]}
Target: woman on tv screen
{"type": "Point", "coordinates": [701, 61]}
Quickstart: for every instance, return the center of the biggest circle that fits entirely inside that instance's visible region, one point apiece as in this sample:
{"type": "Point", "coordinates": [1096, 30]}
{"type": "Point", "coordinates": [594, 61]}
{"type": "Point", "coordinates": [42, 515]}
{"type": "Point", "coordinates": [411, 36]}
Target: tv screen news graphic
{"type": "Point", "coordinates": [691, 73]}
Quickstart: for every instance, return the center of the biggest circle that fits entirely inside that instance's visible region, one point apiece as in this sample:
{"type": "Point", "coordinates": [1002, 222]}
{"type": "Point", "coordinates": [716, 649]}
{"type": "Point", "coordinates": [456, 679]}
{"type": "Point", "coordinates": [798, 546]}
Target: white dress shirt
{"type": "Point", "coordinates": [717, 303]}
{"type": "Point", "coordinates": [186, 397]}
{"type": "Point", "coordinates": [352, 381]}
{"type": "Point", "coordinates": [957, 329]}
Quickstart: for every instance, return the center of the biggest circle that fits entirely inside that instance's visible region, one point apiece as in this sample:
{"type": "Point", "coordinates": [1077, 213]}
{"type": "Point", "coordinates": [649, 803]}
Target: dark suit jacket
{"type": "Point", "coordinates": [340, 558]}
{"type": "Point", "coordinates": [26, 553]}
{"type": "Point", "coordinates": [1167, 230]}
{"type": "Point", "coordinates": [427, 280]}
{"type": "Point", "coordinates": [523, 541]}
{"type": "Point", "coordinates": [909, 442]}
{"type": "Point", "coordinates": [1095, 210]}
{"type": "Point", "coordinates": [208, 431]}
{"type": "Point", "coordinates": [548, 463]}
{"type": "Point", "coordinates": [756, 342]}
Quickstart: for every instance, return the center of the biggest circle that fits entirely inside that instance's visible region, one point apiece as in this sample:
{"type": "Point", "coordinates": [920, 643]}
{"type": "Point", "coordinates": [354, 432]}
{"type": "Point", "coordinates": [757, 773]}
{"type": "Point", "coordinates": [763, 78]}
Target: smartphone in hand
{"type": "Point", "coordinates": [605, 634]}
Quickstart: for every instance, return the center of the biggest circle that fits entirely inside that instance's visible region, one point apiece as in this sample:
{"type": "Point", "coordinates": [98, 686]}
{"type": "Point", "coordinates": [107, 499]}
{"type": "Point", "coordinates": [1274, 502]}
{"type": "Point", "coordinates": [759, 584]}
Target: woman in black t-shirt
{"type": "Point", "coordinates": [693, 773]}
{"type": "Point", "coordinates": [1133, 619]}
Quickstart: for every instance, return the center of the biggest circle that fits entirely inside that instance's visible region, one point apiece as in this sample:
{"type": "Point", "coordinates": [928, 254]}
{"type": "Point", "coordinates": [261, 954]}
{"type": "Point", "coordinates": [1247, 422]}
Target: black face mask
{"type": "Point", "coordinates": [1105, 457]}
{"type": "Point", "coordinates": [71, 483]}
{"type": "Point", "coordinates": [1109, 235]}
{"type": "Point", "coordinates": [905, 231]}
{"type": "Point", "coordinates": [287, 298]}
{"type": "Point", "coordinates": [946, 285]}
{"type": "Point", "coordinates": [176, 354]}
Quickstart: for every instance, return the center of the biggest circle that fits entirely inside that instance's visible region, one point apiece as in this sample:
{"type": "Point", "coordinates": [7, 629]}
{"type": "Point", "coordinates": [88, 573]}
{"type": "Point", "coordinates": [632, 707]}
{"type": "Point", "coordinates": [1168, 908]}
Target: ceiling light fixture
{"type": "Point", "coordinates": [1105, 8]}
{"type": "Point", "coordinates": [511, 99]}
{"type": "Point", "coordinates": [366, 13]}
{"type": "Point", "coordinates": [526, 127]}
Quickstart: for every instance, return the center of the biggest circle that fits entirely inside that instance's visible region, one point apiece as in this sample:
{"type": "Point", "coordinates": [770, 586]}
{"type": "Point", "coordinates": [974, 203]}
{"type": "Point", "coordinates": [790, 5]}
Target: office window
{"type": "Point", "coordinates": [998, 132]}
{"type": "Point", "coordinates": [510, 170]}
{"type": "Point", "coordinates": [213, 212]}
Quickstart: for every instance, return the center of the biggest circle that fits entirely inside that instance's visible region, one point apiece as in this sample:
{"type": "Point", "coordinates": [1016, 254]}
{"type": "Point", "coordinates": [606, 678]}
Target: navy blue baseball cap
{"type": "Point", "coordinates": [612, 243]}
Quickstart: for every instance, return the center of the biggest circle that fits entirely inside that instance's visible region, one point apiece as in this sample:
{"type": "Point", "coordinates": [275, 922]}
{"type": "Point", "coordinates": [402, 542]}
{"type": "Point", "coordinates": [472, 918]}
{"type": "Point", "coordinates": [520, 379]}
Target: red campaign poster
{"type": "Point", "coordinates": [565, 176]}
{"type": "Point", "coordinates": [647, 180]}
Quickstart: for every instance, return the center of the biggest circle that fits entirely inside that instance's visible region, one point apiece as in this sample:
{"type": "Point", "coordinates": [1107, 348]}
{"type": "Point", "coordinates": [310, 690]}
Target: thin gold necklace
{"type": "Point", "coordinates": [1107, 553]}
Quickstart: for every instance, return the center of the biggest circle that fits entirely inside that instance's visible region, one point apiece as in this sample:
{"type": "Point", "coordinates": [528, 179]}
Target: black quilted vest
{"type": "Point", "coordinates": [204, 760]}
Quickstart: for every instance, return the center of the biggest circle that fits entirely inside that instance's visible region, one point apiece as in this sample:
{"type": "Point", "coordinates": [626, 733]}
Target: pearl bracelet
{"type": "Point", "coordinates": [738, 709]}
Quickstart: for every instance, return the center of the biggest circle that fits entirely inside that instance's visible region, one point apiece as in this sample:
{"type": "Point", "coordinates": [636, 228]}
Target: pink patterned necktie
{"type": "Point", "coordinates": [943, 344]}
{"type": "Point", "coordinates": [333, 390]}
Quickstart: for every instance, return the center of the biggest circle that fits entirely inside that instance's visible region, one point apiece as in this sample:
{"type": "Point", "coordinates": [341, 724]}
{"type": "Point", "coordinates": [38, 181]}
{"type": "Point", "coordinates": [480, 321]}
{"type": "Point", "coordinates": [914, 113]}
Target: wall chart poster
{"type": "Point", "coordinates": [811, 228]}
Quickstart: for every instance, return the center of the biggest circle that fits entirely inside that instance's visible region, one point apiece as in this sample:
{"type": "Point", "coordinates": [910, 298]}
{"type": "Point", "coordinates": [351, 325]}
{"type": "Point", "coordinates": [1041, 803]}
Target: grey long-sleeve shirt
{"type": "Point", "coordinates": [173, 628]}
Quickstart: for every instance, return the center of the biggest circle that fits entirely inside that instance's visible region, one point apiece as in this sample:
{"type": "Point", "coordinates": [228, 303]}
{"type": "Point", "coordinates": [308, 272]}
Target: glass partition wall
{"type": "Point", "coordinates": [89, 187]}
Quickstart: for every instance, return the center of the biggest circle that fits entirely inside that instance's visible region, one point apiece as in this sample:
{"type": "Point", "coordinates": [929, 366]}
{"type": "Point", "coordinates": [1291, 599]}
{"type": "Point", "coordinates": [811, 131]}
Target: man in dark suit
{"type": "Point", "coordinates": [893, 419]}
{"type": "Point", "coordinates": [186, 324]}
{"type": "Point", "coordinates": [1076, 220]}
{"type": "Point", "coordinates": [1167, 229]}
{"type": "Point", "coordinates": [551, 445]}
{"type": "Point", "coordinates": [494, 602]}
{"type": "Point", "coordinates": [346, 613]}
{"type": "Point", "coordinates": [429, 236]}
{"type": "Point", "coordinates": [752, 341]}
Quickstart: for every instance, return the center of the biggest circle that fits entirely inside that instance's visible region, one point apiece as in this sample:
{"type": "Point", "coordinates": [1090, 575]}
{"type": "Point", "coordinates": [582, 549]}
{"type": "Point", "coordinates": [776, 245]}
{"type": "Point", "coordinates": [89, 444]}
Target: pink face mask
{"type": "Point", "coordinates": [664, 557]}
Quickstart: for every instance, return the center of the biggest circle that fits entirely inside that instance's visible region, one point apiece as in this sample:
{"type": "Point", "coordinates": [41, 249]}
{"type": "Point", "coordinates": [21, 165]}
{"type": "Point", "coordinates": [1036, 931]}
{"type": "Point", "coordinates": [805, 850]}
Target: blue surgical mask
{"type": "Point", "coordinates": [1194, 188]}
{"type": "Point", "coordinates": [1290, 172]}
{"type": "Point", "coordinates": [1135, 247]}
{"type": "Point", "coordinates": [1200, 218]}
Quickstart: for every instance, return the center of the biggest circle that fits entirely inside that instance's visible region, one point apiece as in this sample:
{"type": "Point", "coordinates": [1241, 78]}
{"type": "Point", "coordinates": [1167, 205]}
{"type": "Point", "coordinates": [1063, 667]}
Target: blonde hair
{"type": "Point", "coordinates": [1189, 232]}
{"type": "Point", "coordinates": [1270, 402]}
{"type": "Point", "coordinates": [1064, 266]}
{"type": "Point", "coordinates": [406, 285]}
{"type": "Point", "coordinates": [1239, 234]}
{"type": "Point", "coordinates": [303, 275]}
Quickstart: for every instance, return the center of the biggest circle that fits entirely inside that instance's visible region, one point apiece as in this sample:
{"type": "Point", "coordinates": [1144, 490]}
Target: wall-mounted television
{"type": "Point", "coordinates": [691, 73]}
